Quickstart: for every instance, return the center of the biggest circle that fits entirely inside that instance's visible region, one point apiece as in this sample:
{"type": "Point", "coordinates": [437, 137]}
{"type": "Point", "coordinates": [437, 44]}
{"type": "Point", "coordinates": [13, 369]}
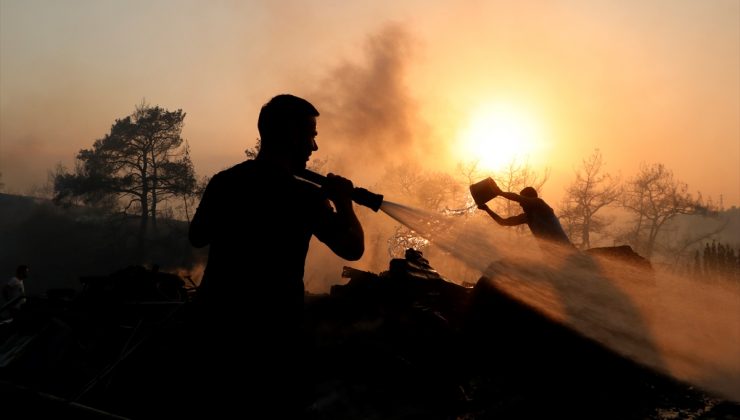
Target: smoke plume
{"type": "Point", "coordinates": [368, 117]}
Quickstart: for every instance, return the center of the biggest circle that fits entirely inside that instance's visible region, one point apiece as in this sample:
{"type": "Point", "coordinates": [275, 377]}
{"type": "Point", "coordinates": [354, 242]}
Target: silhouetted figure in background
{"type": "Point", "coordinates": [538, 215]}
{"type": "Point", "coordinates": [15, 291]}
{"type": "Point", "coordinates": [258, 220]}
{"type": "Point", "coordinates": [590, 300]}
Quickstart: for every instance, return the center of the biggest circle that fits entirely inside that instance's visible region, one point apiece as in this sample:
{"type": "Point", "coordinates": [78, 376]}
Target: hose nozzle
{"type": "Point", "coordinates": [360, 196]}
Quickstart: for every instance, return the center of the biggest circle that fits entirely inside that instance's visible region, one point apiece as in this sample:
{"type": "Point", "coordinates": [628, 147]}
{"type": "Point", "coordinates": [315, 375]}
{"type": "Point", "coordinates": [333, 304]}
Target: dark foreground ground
{"type": "Point", "coordinates": [404, 344]}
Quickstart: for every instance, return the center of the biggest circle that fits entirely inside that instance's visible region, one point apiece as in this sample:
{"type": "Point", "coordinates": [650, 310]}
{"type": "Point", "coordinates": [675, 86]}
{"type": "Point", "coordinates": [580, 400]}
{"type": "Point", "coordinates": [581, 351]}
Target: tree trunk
{"type": "Point", "coordinates": [144, 202]}
{"type": "Point", "coordinates": [585, 236]}
{"type": "Point", "coordinates": [154, 192]}
{"type": "Point", "coordinates": [154, 209]}
{"type": "Point", "coordinates": [651, 239]}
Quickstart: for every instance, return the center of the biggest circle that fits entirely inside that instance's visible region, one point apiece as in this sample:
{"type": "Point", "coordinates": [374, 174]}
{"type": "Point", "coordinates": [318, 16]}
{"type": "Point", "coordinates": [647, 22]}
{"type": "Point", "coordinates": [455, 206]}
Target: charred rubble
{"type": "Point", "coordinates": [402, 344]}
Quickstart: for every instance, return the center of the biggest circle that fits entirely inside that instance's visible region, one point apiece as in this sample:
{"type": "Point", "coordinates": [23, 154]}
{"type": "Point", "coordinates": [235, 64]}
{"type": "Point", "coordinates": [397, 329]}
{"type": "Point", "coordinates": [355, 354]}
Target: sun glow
{"type": "Point", "coordinates": [497, 135]}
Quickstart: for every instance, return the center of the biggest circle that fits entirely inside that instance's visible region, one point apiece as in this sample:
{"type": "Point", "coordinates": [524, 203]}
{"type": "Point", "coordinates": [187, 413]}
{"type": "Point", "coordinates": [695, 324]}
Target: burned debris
{"type": "Point", "coordinates": [405, 343]}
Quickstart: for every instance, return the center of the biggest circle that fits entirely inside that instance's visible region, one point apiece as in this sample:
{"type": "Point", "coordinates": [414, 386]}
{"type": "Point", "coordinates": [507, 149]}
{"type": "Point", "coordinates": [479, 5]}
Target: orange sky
{"type": "Point", "coordinates": [396, 81]}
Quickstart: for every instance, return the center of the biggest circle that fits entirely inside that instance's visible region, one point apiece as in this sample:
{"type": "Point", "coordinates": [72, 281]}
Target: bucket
{"type": "Point", "coordinates": [483, 191]}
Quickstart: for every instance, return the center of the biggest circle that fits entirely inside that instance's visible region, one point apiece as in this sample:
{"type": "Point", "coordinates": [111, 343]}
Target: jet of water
{"type": "Point", "coordinates": [676, 325]}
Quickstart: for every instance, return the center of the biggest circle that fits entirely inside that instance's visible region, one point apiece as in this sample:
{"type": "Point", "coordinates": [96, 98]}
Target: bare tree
{"type": "Point", "coordinates": [591, 191]}
{"type": "Point", "coordinates": [439, 191]}
{"type": "Point", "coordinates": [469, 171]}
{"type": "Point", "coordinates": [655, 197]}
{"type": "Point", "coordinates": [402, 179]}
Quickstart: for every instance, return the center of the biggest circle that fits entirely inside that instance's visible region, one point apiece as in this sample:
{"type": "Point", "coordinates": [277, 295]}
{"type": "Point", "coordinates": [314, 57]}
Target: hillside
{"type": "Point", "coordinates": [61, 244]}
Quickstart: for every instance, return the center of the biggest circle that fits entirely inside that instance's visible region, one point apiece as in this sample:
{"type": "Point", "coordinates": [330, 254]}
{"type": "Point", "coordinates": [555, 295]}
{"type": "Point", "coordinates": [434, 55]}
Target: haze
{"type": "Point", "coordinates": [395, 81]}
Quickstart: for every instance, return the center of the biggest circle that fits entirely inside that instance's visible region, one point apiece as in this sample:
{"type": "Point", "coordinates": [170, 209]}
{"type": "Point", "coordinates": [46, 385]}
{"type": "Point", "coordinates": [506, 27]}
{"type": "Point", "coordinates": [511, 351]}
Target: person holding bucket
{"type": "Point", "coordinates": [537, 214]}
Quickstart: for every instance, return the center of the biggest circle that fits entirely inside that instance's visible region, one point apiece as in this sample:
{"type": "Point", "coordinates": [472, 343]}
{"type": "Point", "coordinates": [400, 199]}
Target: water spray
{"type": "Point", "coordinates": [360, 196]}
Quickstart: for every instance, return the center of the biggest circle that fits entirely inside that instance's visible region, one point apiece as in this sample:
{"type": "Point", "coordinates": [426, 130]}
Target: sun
{"type": "Point", "coordinates": [497, 135]}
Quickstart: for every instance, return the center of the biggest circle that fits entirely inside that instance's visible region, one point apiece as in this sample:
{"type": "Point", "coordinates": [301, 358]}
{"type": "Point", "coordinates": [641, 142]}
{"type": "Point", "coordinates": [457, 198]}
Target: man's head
{"type": "Point", "coordinates": [287, 126]}
{"type": "Point", "coordinates": [528, 192]}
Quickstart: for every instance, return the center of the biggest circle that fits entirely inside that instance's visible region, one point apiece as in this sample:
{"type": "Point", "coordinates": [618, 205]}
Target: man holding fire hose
{"type": "Point", "coordinates": [258, 220]}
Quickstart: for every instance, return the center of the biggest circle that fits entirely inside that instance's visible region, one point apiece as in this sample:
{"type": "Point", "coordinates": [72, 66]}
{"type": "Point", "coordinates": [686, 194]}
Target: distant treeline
{"type": "Point", "coordinates": [716, 261]}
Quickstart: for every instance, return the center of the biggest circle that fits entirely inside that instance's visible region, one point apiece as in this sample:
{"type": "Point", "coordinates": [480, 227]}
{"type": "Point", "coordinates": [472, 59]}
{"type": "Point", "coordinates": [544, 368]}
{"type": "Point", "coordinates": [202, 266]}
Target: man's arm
{"type": "Point", "coordinates": [509, 221]}
{"type": "Point", "coordinates": [518, 198]}
{"type": "Point", "coordinates": [342, 233]}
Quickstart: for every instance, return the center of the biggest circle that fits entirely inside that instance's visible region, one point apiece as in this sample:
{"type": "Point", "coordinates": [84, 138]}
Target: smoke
{"type": "Point", "coordinates": [369, 122]}
{"type": "Point", "coordinates": [20, 163]}
{"type": "Point", "coordinates": [368, 117]}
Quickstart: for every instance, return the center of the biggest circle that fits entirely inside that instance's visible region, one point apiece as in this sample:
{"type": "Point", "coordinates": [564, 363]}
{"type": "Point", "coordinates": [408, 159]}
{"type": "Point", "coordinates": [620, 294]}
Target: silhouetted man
{"type": "Point", "coordinates": [258, 220]}
{"type": "Point", "coordinates": [538, 215]}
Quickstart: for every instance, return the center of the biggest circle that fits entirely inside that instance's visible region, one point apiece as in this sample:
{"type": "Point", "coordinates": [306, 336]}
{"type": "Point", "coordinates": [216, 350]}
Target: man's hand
{"type": "Point", "coordinates": [343, 233]}
{"type": "Point", "coordinates": [338, 189]}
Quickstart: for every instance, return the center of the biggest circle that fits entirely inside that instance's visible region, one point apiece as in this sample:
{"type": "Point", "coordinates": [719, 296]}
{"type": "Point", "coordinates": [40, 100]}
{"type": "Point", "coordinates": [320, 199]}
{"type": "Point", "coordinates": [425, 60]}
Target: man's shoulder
{"type": "Point", "coordinates": [536, 204]}
{"type": "Point", "coordinates": [539, 202]}
{"type": "Point", "coordinates": [236, 171]}
{"type": "Point", "coordinates": [241, 167]}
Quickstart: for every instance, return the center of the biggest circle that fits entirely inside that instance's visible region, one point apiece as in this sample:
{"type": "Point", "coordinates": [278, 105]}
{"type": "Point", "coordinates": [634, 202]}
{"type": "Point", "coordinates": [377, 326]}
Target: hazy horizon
{"type": "Point", "coordinates": [395, 82]}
